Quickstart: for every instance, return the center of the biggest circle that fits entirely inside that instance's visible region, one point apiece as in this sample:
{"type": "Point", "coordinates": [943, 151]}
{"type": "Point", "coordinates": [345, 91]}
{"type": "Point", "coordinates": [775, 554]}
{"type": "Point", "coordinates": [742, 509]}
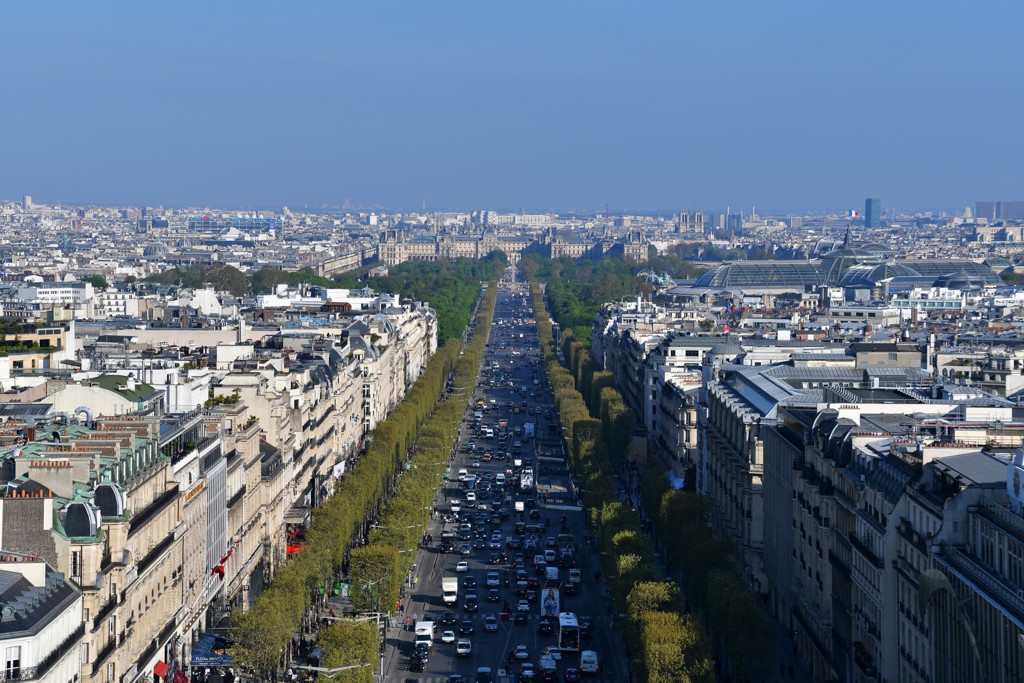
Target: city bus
{"type": "Point", "coordinates": [568, 632]}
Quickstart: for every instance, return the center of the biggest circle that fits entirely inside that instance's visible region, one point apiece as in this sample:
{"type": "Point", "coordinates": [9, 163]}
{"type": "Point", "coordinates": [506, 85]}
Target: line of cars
{"type": "Point", "coordinates": [493, 520]}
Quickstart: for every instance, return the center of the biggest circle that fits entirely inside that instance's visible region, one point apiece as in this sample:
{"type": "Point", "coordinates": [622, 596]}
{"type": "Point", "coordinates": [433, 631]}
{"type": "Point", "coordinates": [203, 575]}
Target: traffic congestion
{"type": "Point", "coordinates": [504, 588]}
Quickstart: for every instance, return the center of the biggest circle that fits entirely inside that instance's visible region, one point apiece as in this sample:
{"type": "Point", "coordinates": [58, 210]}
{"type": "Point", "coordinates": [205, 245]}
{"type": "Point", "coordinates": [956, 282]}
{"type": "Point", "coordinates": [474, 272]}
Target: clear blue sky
{"type": "Point", "coordinates": [536, 105]}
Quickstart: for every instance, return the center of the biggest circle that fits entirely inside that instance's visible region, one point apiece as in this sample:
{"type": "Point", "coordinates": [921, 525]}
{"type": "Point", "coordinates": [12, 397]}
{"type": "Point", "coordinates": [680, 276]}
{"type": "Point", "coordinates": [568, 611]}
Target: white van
{"type": "Point", "coordinates": [589, 663]}
{"type": "Point", "coordinates": [425, 633]}
{"type": "Point", "coordinates": [499, 479]}
{"type": "Point", "coordinates": [551, 573]}
{"type": "Point", "coordinates": [463, 474]}
{"type": "Point", "coordinates": [575, 576]}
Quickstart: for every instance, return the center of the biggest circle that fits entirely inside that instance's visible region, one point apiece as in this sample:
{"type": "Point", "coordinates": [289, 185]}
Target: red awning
{"type": "Point", "coordinates": [161, 669]}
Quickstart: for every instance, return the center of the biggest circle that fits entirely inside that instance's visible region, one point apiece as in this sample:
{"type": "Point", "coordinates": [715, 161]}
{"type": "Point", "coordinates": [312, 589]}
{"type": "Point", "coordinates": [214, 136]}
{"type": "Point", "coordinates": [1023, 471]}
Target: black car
{"type": "Point", "coordinates": [493, 595]}
{"type": "Point", "coordinates": [545, 627]}
{"type": "Point", "coordinates": [469, 582]}
{"type": "Point", "coordinates": [466, 627]}
{"type": "Point", "coordinates": [586, 626]}
{"type": "Point", "coordinates": [449, 618]}
{"type": "Point", "coordinates": [471, 604]}
{"type": "Point", "coordinates": [569, 588]}
{"type": "Point", "coordinates": [522, 617]}
{"type": "Point", "coordinates": [534, 513]}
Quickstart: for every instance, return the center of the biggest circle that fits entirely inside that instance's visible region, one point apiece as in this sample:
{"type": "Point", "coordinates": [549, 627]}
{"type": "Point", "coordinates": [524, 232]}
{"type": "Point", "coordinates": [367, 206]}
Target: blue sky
{"type": "Point", "coordinates": [507, 105]}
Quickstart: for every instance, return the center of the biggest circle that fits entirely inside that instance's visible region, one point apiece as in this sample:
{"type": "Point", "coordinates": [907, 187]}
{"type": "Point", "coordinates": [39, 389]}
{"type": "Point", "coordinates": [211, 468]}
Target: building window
{"type": "Point", "coordinates": [13, 666]}
{"type": "Point", "coordinates": [892, 356]}
{"type": "Point", "coordinates": [76, 565]}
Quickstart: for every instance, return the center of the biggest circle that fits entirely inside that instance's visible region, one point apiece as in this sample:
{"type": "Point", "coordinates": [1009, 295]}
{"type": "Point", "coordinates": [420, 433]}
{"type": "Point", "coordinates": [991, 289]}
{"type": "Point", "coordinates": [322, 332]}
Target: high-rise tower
{"type": "Point", "coordinates": [872, 213]}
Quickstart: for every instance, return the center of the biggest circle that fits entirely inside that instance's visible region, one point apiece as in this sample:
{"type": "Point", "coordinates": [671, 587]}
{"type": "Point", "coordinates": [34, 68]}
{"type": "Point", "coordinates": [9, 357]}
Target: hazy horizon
{"type": "Point", "coordinates": [548, 108]}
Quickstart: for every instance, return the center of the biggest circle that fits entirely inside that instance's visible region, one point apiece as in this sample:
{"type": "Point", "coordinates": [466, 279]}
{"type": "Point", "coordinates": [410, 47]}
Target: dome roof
{"type": "Point", "coordinates": [80, 520]}
{"type": "Point", "coordinates": [156, 250]}
{"type": "Point", "coordinates": [726, 351]}
{"type": "Point", "coordinates": [109, 500]}
{"type": "Point", "coordinates": [960, 280]}
{"type": "Point", "coordinates": [847, 252]}
{"type": "Point", "coordinates": [870, 274]}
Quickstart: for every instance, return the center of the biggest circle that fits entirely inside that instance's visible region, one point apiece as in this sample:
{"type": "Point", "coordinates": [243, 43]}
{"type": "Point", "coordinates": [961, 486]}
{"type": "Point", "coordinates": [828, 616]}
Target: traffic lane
{"type": "Point", "coordinates": [489, 649]}
{"type": "Point", "coordinates": [486, 651]}
{"type": "Point", "coordinates": [431, 566]}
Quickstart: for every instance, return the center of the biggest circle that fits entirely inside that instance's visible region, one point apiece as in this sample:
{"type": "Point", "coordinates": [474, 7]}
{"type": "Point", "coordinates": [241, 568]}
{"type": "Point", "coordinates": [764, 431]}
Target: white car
{"type": "Point", "coordinates": [471, 497]}
{"type": "Point", "coordinates": [493, 579]}
{"type": "Point", "coordinates": [552, 652]}
{"type": "Point", "coordinates": [463, 567]}
{"type": "Point", "coordinates": [448, 637]}
{"type": "Point", "coordinates": [464, 648]}
{"type": "Point", "coordinates": [521, 606]}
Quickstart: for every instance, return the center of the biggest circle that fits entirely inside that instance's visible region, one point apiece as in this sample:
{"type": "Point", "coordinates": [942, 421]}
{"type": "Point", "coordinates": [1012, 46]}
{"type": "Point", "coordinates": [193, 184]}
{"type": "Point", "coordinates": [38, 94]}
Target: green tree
{"type": "Point", "coordinates": [97, 281]}
{"type": "Point", "coordinates": [350, 643]}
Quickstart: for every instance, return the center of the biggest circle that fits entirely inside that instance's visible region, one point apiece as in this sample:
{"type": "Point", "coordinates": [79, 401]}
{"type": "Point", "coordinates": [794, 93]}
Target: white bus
{"type": "Point", "coordinates": [568, 632]}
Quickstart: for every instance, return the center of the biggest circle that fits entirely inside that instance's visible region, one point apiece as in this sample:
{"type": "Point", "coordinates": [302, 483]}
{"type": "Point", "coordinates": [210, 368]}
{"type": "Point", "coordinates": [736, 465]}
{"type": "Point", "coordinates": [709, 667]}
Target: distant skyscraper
{"type": "Point", "coordinates": [872, 213]}
{"type": "Point", "coordinates": [986, 210]}
{"type": "Point", "coordinates": [999, 211]}
{"type": "Point", "coordinates": [26, 202]}
{"type": "Point", "coordinates": [1010, 211]}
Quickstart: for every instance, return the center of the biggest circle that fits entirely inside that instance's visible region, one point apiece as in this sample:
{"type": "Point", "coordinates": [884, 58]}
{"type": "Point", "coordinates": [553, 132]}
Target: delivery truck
{"type": "Point", "coordinates": [450, 589]}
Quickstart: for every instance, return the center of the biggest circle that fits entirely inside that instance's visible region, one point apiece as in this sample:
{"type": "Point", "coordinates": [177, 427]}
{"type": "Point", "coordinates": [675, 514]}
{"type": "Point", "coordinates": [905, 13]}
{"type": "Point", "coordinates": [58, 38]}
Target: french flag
{"type": "Point", "coordinates": [853, 214]}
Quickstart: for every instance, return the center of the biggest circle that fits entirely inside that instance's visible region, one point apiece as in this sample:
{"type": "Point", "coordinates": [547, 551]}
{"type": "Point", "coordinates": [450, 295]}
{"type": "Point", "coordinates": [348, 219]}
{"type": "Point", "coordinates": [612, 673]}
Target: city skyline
{"type": "Point", "coordinates": [536, 107]}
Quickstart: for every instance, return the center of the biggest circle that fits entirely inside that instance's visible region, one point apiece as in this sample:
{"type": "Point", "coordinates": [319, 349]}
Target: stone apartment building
{"type": "Point", "coordinates": [872, 494]}
{"type": "Point", "coordinates": [167, 521]}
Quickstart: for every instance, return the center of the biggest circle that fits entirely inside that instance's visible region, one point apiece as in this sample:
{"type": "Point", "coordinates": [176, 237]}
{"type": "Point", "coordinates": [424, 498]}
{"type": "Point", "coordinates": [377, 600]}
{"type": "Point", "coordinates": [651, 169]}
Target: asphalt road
{"type": "Point", "coordinates": [518, 362]}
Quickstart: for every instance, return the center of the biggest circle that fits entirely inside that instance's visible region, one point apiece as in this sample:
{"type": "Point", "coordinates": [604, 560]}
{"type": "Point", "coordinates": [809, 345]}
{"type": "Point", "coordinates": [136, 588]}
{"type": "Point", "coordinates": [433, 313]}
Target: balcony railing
{"type": "Point", "coordinates": [1003, 515]}
{"type": "Point", "coordinates": [103, 612]}
{"type": "Point", "coordinates": [152, 510]}
{"type": "Point", "coordinates": [31, 673]}
{"type": "Point", "coordinates": [101, 656]}
{"type": "Point", "coordinates": [982, 577]}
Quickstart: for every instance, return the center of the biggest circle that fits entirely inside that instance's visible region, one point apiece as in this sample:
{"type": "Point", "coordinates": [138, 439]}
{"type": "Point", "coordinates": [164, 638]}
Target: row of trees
{"type": "Point", "coordinates": [742, 633]}
{"type": "Point", "coordinates": [264, 633]}
{"type": "Point", "coordinates": [740, 630]}
{"type": "Point", "coordinates": [665, 642]}
{"type": "Point", "coordinates": [576, 289]}
{"type": "Point", "coordinates": [451, 287]}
